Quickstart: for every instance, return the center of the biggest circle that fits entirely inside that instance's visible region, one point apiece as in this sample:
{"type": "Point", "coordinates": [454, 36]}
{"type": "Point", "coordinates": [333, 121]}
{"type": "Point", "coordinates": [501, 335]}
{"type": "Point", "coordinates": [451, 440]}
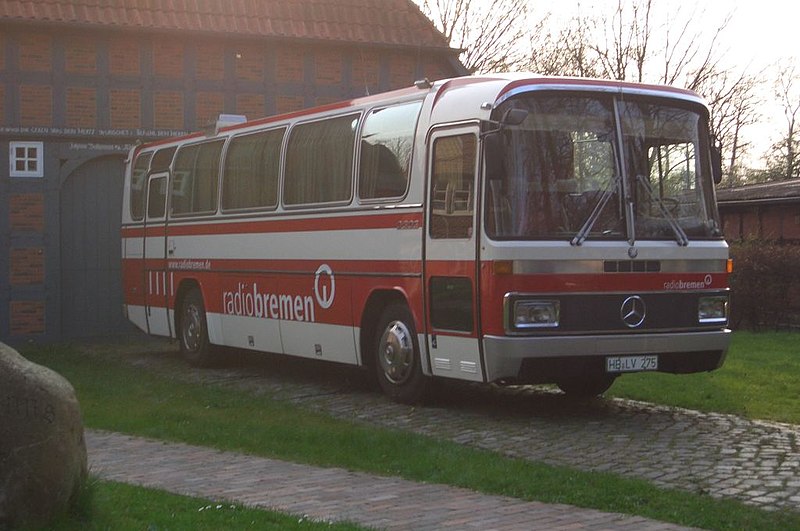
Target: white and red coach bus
{"type": "Point", "coordinates": [513, 229]}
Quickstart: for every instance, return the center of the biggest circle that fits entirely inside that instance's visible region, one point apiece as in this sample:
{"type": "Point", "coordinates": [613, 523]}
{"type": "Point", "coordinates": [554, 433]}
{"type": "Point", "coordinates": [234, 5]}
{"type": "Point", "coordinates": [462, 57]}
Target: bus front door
{"type": "Point", "coordinates": [157, 282]}
{"type": "Point", "coordinates": [451, 255]}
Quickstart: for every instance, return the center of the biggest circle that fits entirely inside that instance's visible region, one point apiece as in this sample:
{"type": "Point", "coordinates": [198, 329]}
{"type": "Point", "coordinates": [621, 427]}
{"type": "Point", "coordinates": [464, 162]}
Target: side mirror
{"type": "Point", "coordinates": [510, 117]}
{"type": "Point", "coordinates": [716, 164]}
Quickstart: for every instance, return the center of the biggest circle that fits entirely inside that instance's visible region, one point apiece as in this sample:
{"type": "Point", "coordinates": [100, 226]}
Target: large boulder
{"type": "Point", "coordinates": [42, 449]}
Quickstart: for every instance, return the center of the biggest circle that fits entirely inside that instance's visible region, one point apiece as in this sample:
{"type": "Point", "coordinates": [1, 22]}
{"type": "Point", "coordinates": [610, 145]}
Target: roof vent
{"type": "Point", "coordinates": [423, 83]}
{"type": "Point", "coordinates": [224, 120]}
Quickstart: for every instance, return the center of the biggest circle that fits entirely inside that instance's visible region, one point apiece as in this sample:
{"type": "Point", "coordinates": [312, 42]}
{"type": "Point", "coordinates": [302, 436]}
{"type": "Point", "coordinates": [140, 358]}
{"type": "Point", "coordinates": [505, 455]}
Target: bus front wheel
{"type": "Point", "coordinates": [398, 363]}
{"type": "Point", "coordinates": [193, 330]}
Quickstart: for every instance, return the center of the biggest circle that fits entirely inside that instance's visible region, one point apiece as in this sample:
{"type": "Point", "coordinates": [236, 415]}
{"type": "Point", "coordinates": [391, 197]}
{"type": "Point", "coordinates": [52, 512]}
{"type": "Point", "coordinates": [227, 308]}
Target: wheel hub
{"type": "Point", "coordinates": [397, 353]}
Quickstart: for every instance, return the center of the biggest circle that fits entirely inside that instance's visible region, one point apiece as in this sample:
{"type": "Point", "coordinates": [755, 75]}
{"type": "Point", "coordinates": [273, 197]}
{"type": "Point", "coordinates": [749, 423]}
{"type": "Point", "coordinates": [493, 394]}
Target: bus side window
{"type": "Point", "coordinates": [452, 196]}
{"type": "Point", "coordinates": [162, 159]}
{"type": "Point", "coordinates": [195, 177]}
{"type": "Point", "coordinates": [319, 161]}
{"type": "Point", "coordinates": [251, 171]}
{"type": "Point", "coordinates": [157, 198]}
{"type": "Point", "coordinates": [138, 185]}
{"type": "Point", "coordinates": [387, 142]}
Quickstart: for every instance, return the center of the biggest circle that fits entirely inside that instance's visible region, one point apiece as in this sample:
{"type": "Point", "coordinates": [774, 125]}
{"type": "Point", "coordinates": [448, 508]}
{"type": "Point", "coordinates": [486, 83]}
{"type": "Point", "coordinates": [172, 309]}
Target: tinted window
{"type": "Point", "coordinates": [162, 159]}
{"type": "Point", "coordinates": [386, 145]}
{"type": "Point", "coordinates": [251, 171]}
{"type": "Point", "coordinates": [452, 196]}
{"type": "Point", "coordinates": [157, 198]}
{"type": "Point", "coordinates": [138, 183]}
{"type": "Point", "coordinates": [194, 178]}
{"type": "Point", "coordinates": [319, 161]}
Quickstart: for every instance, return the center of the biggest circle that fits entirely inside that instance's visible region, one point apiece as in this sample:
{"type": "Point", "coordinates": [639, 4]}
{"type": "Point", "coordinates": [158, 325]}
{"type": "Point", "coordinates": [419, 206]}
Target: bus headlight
{"type": "Point", "coordinates": [712, 309]}
{"type": "Point", "coordinates": [534, 314]}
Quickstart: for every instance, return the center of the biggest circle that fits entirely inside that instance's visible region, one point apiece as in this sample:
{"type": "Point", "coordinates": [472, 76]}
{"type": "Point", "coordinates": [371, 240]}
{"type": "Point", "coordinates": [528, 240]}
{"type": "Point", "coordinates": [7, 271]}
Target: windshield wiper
{"type": "Point", "coordinates": [608, 191]}
{"type": "Point", "coordinates": [680, 235]}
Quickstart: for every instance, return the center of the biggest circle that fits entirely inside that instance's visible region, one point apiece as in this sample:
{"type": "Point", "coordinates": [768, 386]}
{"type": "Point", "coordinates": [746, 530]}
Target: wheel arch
{"type": "Point", "coordinates": [186, 285]}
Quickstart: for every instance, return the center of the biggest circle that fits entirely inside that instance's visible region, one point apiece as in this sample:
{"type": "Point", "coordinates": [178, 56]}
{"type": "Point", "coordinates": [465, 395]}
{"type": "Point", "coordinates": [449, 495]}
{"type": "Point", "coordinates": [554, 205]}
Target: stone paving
{"type": "Point", "coordinates": [721, 455]}
{"type": "Point", "coordinates": [333, 494]}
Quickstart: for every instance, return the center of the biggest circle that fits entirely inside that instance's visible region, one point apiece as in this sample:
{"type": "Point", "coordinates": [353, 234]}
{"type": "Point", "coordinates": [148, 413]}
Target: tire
{"type": "Point", "coordinates": [193, 331]}
{"type": "Point", "coordinates": [588, 386]}
{"type": "Point", "coordinates": [397, 358]}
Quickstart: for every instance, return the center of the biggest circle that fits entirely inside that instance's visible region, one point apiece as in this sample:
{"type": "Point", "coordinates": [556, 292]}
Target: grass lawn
{"type": "Point", "coordinates": [110, 505]}
{"type": "Point", "coordinates": [760, 380]}
{"type": "Point", "coordinates": [134, 400]}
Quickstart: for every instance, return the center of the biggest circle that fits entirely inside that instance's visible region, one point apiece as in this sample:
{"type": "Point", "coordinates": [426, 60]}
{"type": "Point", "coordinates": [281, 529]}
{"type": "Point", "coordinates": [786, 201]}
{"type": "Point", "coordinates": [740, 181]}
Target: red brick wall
{"type": "Point", "coordinates": [250, 105]}
{"type": "Point", "coordinates": [208, 107]}
{"type": "Point", "coordinates": [81, 107]}
{"type": "Point", "coordinates": [35, 105]}
{"type": "Point", "coordinates": [168, 110]}
{"type": "Point", "coordinates": [328, 67]}
{"type": "Point", "coordinates": [366, 71]}
{"type": "Point", "coordinates": [210, 62]}
{"type": "Point", "coordinates": [126, 108]}
{"type": "Point", "coordinates": [289, 65]}
{"type": "Point", "coordinates": [124, 56]}
{"type": "Point", "coordinates": [26, 212]}
{"type": "Point", "coordinates": [150, 82]}
{"type": "Point", "coordinates": [436, 70]}
{"type": "Point", "coordinates": [285, 104]}
{"type": "Point", "coordinates": [402, 72]}
{"type": "Point", "coordinates": [27, 317]}
{"type": "Point", "coordinates": [26, 266]}
{"type": "Point", "coordinates": [35, 52]}
{"type": "Point", "coordinates": [80, 55]}
{"type": "Point", "coordinates": [168, 58]}
{"type": "Point", "coordinates": [250, 63]}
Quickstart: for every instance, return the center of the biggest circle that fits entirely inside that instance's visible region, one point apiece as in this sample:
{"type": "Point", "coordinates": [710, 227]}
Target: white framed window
{"type": "Point", "coordinates": [26, 159]}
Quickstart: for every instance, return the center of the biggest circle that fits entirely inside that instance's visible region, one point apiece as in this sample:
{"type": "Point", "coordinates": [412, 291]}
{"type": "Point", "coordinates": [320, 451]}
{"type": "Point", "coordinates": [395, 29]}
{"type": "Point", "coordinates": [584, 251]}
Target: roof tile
{"type": "Point", "coordinates": [789, 189]}
{"type": "Point", "coordinates": [390, 22]}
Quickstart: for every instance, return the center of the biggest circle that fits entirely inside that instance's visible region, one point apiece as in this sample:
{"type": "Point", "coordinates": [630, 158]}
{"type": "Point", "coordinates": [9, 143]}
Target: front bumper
{"type": "Point", "coordinates": [504, 356]}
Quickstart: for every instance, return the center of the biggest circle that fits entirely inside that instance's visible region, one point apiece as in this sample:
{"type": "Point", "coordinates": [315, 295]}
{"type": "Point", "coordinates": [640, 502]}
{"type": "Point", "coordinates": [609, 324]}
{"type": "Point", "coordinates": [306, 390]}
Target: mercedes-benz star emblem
{"type": "Point", "coordinates": [633, 311]}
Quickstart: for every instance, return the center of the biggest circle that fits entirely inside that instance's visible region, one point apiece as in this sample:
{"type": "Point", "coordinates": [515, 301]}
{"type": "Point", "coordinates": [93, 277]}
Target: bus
{"type": "Point", "coordinates": [514, 229]}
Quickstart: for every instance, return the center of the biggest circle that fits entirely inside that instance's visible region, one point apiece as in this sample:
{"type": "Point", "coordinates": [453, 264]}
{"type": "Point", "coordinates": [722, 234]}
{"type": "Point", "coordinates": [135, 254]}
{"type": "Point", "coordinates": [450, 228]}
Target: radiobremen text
{"type": "Point", "coordinates": [248, 301]}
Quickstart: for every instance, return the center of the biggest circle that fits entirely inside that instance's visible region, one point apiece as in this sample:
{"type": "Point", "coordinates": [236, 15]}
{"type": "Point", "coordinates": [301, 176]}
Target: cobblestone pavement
{"type": "Point", "coordinates": [333, 494]}
{"type": "Point", "coordinates": [721, 455]}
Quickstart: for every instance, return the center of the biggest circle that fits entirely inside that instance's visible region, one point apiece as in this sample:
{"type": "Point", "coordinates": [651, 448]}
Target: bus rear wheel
{"type": "Point", "coordinates": [193, 330]}
{"type": "Point", "coordinates": [398, 363]}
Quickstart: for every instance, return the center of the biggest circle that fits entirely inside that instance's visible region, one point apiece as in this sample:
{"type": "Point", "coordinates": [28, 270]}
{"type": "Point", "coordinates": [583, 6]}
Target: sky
{"type": "Point", "coordinates": [758, 35]}
{"type": "Point", "coordinates": [762, 32]}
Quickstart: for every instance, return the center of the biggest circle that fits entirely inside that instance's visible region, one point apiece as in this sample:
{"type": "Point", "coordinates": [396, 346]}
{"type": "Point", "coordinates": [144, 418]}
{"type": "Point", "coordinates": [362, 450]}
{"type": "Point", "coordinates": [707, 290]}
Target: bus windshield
{"type": "Point", "coordinates": [600, 166]}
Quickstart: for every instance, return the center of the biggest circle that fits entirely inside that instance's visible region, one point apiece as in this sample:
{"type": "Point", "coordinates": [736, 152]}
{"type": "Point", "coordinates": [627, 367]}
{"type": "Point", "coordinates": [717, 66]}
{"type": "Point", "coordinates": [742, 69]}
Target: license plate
{"type": "Point", "coordinates": [647, 362]}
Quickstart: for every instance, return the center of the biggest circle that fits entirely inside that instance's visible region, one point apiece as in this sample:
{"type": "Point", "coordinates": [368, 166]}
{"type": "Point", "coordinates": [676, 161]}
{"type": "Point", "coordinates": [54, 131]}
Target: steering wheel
{"type": "Point", "coordinates": [670, 204]}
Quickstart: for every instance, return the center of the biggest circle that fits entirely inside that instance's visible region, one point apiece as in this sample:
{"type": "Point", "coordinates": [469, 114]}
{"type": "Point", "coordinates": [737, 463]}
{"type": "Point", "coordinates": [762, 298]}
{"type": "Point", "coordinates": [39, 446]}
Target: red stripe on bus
{"type": "Point", "coordinates": [392, 220]}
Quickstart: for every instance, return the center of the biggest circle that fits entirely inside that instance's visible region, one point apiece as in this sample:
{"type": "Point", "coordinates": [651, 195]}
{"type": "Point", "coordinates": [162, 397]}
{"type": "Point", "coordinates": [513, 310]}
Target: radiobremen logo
{"type": "Point", "coordinates": [248, 300]}
{"type": "Point", "coordinates": [677, 285]}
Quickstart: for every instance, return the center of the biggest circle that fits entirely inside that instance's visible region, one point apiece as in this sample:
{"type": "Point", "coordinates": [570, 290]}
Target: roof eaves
{"type": "Point", "coordinates": [146, 24]}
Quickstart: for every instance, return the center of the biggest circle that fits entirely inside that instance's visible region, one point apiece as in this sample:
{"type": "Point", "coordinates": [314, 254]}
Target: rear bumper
{"type": "Point", "coordinates": [686, 351]}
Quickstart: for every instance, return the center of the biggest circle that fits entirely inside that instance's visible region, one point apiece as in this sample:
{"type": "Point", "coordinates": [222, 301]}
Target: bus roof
{"type": "Point", "coordinates": [472, 93]}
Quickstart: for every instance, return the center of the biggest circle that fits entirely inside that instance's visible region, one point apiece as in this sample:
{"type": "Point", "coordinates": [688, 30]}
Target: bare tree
{"type": "Point", "coordinates": [785, 159]}
{"type": "Point", "coordinates": [626, 37]}
{"type": "Point", "coordinates": [491, 33]}
{"type": "Point", "coordinates": [566, 51]}
{"type": "Point", "coordinates": [672, 47]}
{"type": "Point", "coordinates": [735, 103]}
